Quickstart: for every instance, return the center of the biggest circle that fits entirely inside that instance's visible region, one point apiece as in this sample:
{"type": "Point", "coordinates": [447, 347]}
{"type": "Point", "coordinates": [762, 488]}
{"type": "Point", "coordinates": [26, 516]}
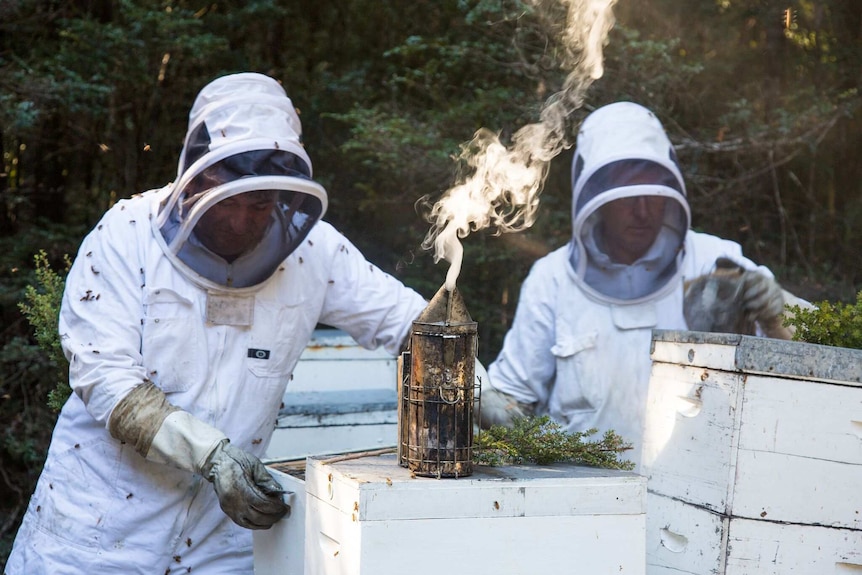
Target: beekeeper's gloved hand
{"type": "Point", "coordinates": [163, 433]}
{"type": "Point", "coordinates": [246, 491]}
{"type": "Point", "coordinates": [500, 408]}
{"type": "Point", "coordinates": [497, 407]}
{"type": "Point", "coordinates": [763, 301]}
{"type": "Point", "coordinates": [763, 298]}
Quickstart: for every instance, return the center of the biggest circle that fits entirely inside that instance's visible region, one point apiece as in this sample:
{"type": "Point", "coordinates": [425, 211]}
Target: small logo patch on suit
{"type": "Point", "coordinates": [258, 353]}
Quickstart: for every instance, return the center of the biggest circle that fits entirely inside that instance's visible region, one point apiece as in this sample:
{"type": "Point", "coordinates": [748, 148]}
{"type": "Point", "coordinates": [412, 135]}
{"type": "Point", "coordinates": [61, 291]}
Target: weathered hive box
{"type": "Point", "coordinates": [280, 550]}
{"type": "Point", "coordinates": [753, 454]}
{"type": "Point", "coordinates": [341, 398]}
{"type": "Point", "coordinates": [370, 516]}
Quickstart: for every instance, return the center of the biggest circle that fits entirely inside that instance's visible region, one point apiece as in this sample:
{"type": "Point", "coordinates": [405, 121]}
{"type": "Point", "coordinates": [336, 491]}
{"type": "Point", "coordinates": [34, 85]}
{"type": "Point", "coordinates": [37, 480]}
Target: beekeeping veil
{"type": "Point", "coordinates": [244, 136]}
{"type": "Point", "coordinates": [622, 152]}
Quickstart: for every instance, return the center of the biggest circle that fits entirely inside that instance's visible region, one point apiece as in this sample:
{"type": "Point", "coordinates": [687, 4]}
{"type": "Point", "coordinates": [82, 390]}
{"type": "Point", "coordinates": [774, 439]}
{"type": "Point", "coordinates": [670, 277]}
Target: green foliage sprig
{"type": "Point", "coordinates": [837, 324]}
{"type": "Point", "coordinates": [543, 441]}
{"type": "Point", "coordinates": [42, 309]}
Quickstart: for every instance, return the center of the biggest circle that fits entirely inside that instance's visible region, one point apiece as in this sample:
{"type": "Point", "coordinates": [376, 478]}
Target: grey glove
{"type": "Point", "coordinates": [165, 434]}
{"type": "Point", "coordinates": [762, 297]}
{"type": "Point", "coordinates": [247, 493]}
{"type": "Point", "coordinates": [499, 408]}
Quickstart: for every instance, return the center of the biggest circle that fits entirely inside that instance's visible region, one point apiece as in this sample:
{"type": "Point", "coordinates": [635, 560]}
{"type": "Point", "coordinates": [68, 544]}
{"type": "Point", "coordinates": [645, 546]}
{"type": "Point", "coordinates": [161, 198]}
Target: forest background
{"type": "Point", "coordinates": [760, 97]}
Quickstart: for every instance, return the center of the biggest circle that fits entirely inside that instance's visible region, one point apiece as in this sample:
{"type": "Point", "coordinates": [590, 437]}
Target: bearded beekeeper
{"type": "Point", "coordinates": [579, 346]}
{"type": "Point", "coordinates": [183, 317]}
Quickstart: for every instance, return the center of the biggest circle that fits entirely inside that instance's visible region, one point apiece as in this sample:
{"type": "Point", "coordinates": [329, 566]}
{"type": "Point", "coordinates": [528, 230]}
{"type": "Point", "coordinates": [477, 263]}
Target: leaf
{"type": "Point", "coordinates": [543, 441]}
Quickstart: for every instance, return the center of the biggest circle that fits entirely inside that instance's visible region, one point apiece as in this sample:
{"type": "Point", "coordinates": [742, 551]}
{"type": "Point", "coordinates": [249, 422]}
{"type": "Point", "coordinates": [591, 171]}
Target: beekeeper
{"type": "Point", "coordinates": [579, 346]}
{"type": "Point", "coordinates": [184, 314]}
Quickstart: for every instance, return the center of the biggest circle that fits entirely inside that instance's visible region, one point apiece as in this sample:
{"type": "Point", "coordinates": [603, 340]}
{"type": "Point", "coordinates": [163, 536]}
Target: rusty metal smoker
{"type": "Point", "coordinates": [437, 390]}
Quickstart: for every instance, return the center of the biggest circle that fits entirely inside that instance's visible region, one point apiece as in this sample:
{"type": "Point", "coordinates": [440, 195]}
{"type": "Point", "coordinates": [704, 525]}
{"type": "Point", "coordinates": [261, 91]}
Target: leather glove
{"type": "Point", "coordinates": [500, 408]}
{"type": "Point", "coordinates": [762, 297]}
{"type": "Point", "coordinates": [490, 404]}
{"type": "Point", "coordinates": [163, 433]}
{"type": "Point", "coordinates": [764, 301]}
{"type": "Point", "coordinates": [247, 493]}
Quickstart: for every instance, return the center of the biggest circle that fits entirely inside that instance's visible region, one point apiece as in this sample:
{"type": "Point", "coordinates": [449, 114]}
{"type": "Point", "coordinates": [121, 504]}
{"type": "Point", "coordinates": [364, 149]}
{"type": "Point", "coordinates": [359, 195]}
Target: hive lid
{"type": "Point", "coordinates": [760, 355]}
{"type": "Point", "coordinates": [376, 488]}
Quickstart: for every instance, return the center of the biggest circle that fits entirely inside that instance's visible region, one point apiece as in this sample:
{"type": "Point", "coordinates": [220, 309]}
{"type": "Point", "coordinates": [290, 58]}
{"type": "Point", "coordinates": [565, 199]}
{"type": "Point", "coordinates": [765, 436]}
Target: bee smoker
{"type": "Point", "coordinates": [437, 389]}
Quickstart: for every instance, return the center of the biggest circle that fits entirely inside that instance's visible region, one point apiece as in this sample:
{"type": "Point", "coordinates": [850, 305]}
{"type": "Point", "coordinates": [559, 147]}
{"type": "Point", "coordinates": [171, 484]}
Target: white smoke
{"type": "Point", "coordinates": [502, 191]}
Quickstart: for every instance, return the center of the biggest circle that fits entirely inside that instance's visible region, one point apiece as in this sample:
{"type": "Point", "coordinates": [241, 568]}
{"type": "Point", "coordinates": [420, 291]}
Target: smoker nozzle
{"type": "Point", "coordinates": [446, 307]}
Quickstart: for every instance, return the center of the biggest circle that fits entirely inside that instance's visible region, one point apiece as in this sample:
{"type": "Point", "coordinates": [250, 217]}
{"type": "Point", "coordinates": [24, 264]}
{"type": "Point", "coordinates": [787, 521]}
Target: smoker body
{"type": "Point", "coordinates": [753, 454]}
{"type": "Point", "coordinates": [437, 390]}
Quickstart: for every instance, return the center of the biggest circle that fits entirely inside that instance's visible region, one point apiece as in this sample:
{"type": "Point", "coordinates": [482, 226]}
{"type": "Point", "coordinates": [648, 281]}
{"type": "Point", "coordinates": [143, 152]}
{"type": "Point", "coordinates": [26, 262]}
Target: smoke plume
{"type": "Point", "coordinates": [503, 186]}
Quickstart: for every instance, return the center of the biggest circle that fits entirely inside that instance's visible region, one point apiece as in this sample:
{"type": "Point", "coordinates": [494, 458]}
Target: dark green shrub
{"type": "Point", "coordinates": [42, 309]}
{"type": "Point", "coordinates": [837, 324]}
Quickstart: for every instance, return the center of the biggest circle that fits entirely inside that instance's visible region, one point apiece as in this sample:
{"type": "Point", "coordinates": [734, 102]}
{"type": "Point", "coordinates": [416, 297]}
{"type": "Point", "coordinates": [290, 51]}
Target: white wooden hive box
{"type": "Point", "coordinates": [341, 398]}
{"type": "Point", "coordinates": [753, 453]}
{"type": "Point", "coordinates": [370, 516]}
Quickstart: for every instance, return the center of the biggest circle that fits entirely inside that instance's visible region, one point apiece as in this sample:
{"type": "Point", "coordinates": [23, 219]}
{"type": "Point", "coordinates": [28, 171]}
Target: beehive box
{"type": "Point", "coordinates": [369, 516]}
{"type": "Point", "coordinates": [753, 454]}
{"type": "Point", "coordinates": [341, 398]}
{"type": "Point", "coordinates": [280, 550]}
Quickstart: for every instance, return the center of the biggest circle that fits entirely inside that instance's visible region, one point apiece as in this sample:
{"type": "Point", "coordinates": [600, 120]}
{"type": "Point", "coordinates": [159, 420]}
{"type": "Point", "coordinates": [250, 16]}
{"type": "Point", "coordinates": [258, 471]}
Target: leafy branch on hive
{"type": "Point", "coordinates": [543, 441]}
{"type": "Point", "coordinates": [837, 324]}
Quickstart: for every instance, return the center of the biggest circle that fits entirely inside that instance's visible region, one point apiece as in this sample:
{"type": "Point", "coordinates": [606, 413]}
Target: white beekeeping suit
{"type": "Point", "coordinates": [181, 345]}
{"type": "Point", "coordinates": [578, 348]}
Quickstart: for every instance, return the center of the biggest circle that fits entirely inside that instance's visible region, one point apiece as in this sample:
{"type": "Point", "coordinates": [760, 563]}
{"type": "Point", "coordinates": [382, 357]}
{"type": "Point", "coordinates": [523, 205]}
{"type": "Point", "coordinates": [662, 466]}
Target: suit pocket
{"type": "Point", "coordinates": [277, 339]}
{"type": "Point", "coordinates": [174, 344]}
{"type": "Point", "coordinates": [578, 383]}
{"type": "Point", "coordinates": [74, 493]}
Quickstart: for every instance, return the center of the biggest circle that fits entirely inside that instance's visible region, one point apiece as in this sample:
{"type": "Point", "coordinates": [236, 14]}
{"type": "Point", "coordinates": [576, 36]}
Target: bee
{"type": "Point", "coordinates": [789, 18]}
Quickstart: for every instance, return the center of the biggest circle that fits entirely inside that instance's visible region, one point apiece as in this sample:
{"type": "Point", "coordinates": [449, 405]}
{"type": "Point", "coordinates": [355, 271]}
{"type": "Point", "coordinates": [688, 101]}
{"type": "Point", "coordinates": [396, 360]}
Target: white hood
{"type": "Point", "coordinates": [244, 135]}
{"type": "Point", "coordinates": [617, 145]}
